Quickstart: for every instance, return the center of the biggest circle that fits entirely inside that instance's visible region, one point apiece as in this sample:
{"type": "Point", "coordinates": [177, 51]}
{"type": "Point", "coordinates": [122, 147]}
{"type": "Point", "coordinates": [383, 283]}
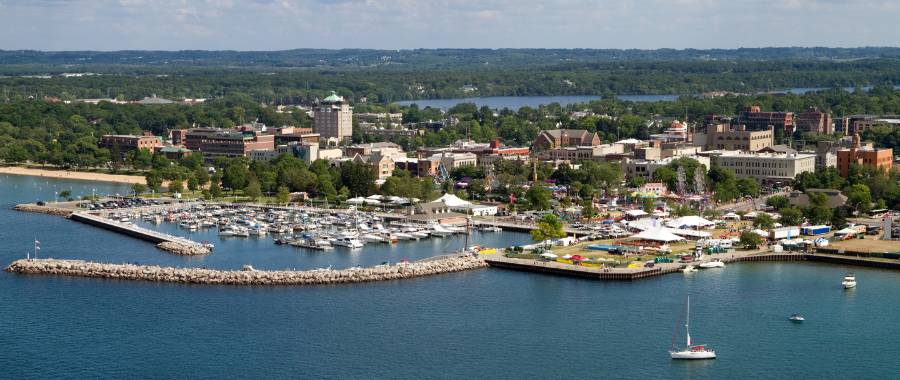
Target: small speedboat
{"type": "Point", "coordinates": [849, 281]}
{"type": "Point", "coordinates": [689, 269]}
{"type": "Point", "coordinates": [796, 318]}
{"type": "Point", "coordinates": [712, 264]}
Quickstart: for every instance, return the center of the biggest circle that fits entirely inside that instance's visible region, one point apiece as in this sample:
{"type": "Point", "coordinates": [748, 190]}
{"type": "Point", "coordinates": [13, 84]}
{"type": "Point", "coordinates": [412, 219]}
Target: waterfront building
{"type": "Point", "coordinates": [557, 138]}
{"type": "Point", "coordinates": [645, 168]}
{"type": "Point", "coordinates": [428, 167]}
{"type": "Point", "coordinates": [734, 137]}
{"type": "Point", "coordinates": [766, 167]}
{"type": "Point", "coordinates": [881, 159]}
{"type": "Point", "coordinates": [128, 143]}
{"type": "Point", "coordinates": [814, 121]}
{"type": "Point", "coordinates": [307, 151]}
{"type": "Point", "coordinates": [215, 142]}
{"type": "Point", "coordinates": [333, 119]}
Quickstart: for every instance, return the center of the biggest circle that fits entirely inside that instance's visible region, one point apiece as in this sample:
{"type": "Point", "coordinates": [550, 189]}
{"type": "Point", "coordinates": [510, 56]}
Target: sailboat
{"type": "Point", "coordinates": [691, 351]}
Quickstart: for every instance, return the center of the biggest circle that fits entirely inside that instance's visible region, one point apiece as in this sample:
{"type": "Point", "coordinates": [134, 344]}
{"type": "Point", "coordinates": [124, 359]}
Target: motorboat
{"type": "Point", "coordinates": [849, 281]}
{"type": "Point", "coordinates": [491, 229]}
{"type": "Point", "coordinates": [712, 264]}
{"type": "Point", "coordinates": [691, 351]}
{"type": "Point", "coordinates": [689, 269]}
{"type": "Point", "coordinates": [796, 318]}
{"type": "Point", "coordinates": [440, 231]}
{"type": "Point", "coordinates": [372, 238]}
{"type": "Point", "coordinates": [347, 241]}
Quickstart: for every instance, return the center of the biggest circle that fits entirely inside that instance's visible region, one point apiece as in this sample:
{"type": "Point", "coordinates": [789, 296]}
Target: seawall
{"type": "Point", "coordinates": [49, 210]}
{"type": "Point", "coordinates": [80, 268]}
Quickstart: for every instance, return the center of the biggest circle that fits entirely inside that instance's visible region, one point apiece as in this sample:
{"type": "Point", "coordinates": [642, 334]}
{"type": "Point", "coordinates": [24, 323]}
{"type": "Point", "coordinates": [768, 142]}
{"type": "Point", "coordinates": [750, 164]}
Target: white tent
{"type": "Point", "coordinates": [356, 201]}
{"type": "Point", "coordinates": [452, 200]}
{"type": "Point", "coordinates": [658, 234]}
{"type": "Point", "coordinates": [691, 221]}
{"type": "Point", "coordinates": [732, 216]}
{"type": "Point", "coordinates": [635, 213]}
{"type": "Point", "coordinates": [846, 231]}
{"type": "Point", "coordinates": [548, 255]}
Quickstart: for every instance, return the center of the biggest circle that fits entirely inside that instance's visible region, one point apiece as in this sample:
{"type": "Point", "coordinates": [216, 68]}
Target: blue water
{"type": "Point", "coordinates": [480, 324]}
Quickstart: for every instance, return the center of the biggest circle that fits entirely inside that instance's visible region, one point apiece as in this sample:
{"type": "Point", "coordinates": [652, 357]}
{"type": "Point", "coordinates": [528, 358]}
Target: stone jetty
{"type": "Point", "coordinates": [184, 249]}
{"type": "Point", "coordinates": [49, 210]}
{"type": "Point", "coordinates": [80, 268]}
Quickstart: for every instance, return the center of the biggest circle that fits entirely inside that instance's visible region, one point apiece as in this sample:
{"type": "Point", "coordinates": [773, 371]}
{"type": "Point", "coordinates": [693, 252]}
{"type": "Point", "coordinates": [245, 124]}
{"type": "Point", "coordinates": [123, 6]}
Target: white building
{"type": "Point", "coordinates": [766, 166]}
{"type": "Point", "coordinates": [645, 168]}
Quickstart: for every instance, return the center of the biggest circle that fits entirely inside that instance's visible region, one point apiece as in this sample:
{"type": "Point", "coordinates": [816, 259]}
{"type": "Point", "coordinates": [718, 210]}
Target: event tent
{"type": "Point", "coordinates": [691, 221]}
{"type": "Point", "coordinates": [658, 234]}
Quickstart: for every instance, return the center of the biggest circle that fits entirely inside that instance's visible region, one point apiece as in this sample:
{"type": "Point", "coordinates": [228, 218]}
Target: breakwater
{"type": "Point", "coordinates": [80, 268]}
{"type": "Point", "coordinates": [49, 210]}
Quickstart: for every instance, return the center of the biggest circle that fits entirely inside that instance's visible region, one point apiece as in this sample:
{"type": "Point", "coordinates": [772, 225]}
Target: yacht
{"type": "Point", "coordinates": [491, 229]}
{"type": "Point", "coordinates": [691, 351]}
{"type": "Point", "coordinates": [849, 281]}
{"type": "Point", "coordinates": [440, 231]}
{"type": "Point", "coordinates": [226, 232]}
{"type": "Point", "coordinates": [347, 241]}
{"type": "Point", "coordinates": [689, 269]}
{"type": "Point", "coordinates": [712, 264]}
{"type": "Point", "coordinates": [372, 238]}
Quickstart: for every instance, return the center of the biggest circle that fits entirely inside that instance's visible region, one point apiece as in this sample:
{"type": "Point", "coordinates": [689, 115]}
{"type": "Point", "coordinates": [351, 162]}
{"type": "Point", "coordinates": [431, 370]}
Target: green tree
{"type": "Point", "coordinates": [548, 227]}
{"type": "Point", "coordinates": [253, 189]}
{"type": "Point", "coordinates": [215, 190]}
{"type": "Point", "coordinates": [791, 216]}
{"type": "Point", "coordinates": [235, 175]}
{"type": "Point", "coordinates": [176, 186]}
{"type": "Point", "coordinates": [538, 197]}
{"type": "Point", "coordinates": [778, 202]}
{"type": "Point", "coordinates": [748, 187]}
{"type": "Point", "coordinates": [65, 194]}
{"type": "Point", "coordinates": [648, 205]}
{"type": "Point", "coordinates": [764, 221]}
{"type": "Point", "coordinates": [192, 183]}
{"type": "Point", "coordinates": [153, 180]}
{"type": "Point", "coordinates": [587, 209]}
{"type": "Point", "coordinates": [138, 188]}
{"type": "Point", "coordinates": [859, 197]}
{"type": "Point", "coordinates": [750, 240]}
{"type": "Point", "coordinates": [283, 195]}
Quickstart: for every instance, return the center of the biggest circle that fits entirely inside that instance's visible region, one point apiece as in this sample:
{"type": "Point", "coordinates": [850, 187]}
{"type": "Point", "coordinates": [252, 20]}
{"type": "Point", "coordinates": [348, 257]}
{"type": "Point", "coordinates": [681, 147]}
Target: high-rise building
{"type": "Point", "coordinates": [333, 119]}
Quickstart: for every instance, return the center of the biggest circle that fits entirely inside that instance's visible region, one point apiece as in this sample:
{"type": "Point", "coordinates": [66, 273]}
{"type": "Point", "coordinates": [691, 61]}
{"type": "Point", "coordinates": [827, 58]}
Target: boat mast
{"type": "Point", "coordinates": [687, 322]}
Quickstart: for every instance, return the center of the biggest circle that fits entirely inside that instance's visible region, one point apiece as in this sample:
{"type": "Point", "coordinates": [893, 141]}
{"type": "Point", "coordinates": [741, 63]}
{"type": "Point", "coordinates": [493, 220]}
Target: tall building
{"type": "Point", "coordinates": [755, 120]}
{"type": "Point", "coordinates": [814, 121]}
{"type": "Point", "coordinates": [868, 157]}
{"type": "Point", "coordinates": [333, 119]}
{"type": "Point", "coordinates": [738, 137]}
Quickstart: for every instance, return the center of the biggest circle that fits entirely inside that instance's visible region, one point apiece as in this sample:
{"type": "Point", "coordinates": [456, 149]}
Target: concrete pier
{"type": "Point", "coordinates": [80, 268]}
{"type": "Point", "coordinates": [166, 242]}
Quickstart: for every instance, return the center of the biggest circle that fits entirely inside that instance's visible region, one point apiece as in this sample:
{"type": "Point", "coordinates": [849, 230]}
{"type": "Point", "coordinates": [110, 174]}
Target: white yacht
{"type": "Point", "coordinates": [347, 241]}
{"type": "Point", "coordinates": [373, 238]}
{"type": "Point", "coordinates": [691, 351]}
{"type": "Point", "coordinates": [689, 269]}
{"type": "Point", "coordinates": [712, 264]}
{"type": "Point", "coordinates": [849, 281]}
{"type": "Point", "coordinates": [440, 231]}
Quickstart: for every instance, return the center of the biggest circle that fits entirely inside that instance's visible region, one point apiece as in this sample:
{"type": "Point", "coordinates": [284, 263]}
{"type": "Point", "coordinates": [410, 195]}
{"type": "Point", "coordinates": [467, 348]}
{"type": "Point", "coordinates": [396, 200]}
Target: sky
{"type": "Point", "coordinates": [406, 24]}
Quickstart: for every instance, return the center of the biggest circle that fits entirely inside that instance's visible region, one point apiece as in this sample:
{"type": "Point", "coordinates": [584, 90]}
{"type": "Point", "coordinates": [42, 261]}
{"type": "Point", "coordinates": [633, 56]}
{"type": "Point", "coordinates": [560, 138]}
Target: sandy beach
{"type": "Point", "coordinates": [68, 174]}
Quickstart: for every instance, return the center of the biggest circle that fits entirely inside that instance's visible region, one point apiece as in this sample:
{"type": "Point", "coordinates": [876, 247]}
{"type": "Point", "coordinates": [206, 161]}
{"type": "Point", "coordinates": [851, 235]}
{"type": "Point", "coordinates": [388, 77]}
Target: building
{"type": "Point", "coordinates": [308, 152]}
{"type": "Point", "coordinates": [766, 167]}
{"type": "Point", "coordinates": [814, 121]}
{"type": "Point", "coordinates": [127, 143]}
{"type": "Point", "coordinates": [558, 138]}
{"type": "Point", "coordinates": [880, 159]}
{"type": "Point", "coordinates": [384, 148]}
{"type": "Point", "coordinates": [174, 152]}
{"type": "Point", "coordinates": [835, 198]}
{"type": "Point", "coordinates": [214, 142]}
{"type": "Point", "coordinates": [676, 132]}
{"type": "Point", "coordinates": [582, 153]}
{"type": "Point", "coordinates": [333, 119]}
{"type": "Point", "coordinates": [429, 166]}
{"type": "Point", "coordinates": [778, 149]}
{"type": "Point", "coordinates": [738, 137]}
{"type": "Point", "coordinates": [756, 120]}
{"type": "Point", "coordinates": [645, 168]}
{"type": "Point", "coordinates": [382, 165]}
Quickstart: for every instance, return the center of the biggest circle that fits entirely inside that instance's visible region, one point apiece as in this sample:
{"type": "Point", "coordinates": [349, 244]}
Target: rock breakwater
{"type": "Point", "coordinates": [49, 210]}
{"type": "Point", "coordinates": [81, 268]}
{"type": "Point", "coordinates": [184, 249]}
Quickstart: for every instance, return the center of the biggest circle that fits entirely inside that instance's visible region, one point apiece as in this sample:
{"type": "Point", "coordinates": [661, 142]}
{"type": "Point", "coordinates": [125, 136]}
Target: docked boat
{"type": "Point", "coordinates": [691, 351]}
{"type": "Point", "coordinates": [347, 241]}
{"type": "Point", "coordinates": [796, 318]}
{"type": "Point", "coordinates": [440, 231]}
{"type": "Point", "coordinates": [712, 264]}
{"type": "Point", "coordinates": [689, 269]}
{"type": "Point", "coordinates": [491, 229]}
{"type": "Point", "coordinates": [849, 281]}
{"type": "Point", "coordinates": [372, 238]}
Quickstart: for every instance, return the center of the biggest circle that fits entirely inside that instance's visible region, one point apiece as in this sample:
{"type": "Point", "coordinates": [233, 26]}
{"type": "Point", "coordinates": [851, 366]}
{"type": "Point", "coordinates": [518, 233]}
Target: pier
{"type": "Point", "coordinates": [131, 272]}
{"type": "Point", "coordinates": [166, 242]}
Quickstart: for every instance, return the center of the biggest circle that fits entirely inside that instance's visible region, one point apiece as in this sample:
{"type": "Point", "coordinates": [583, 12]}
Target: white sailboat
{"type": "Point", "coordinates": [691, 351]}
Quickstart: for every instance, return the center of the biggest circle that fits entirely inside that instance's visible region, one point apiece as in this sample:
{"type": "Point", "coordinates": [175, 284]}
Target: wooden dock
{"type": "Point", "coordinates": [129, 229]}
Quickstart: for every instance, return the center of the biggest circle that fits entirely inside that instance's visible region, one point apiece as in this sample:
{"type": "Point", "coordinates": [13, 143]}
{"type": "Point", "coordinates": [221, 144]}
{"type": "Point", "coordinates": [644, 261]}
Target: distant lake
{"type": "Point", "coordinates": [516, 102]}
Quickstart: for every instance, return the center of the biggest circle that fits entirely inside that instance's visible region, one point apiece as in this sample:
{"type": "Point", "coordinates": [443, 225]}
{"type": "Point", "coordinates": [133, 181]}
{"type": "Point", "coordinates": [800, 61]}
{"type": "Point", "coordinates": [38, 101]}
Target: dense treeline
{"type": "Point", "coordinates": [394, 82]}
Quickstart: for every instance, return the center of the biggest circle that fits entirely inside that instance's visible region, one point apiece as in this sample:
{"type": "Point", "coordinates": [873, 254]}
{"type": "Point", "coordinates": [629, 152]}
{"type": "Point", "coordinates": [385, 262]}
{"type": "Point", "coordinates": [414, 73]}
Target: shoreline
{"type": "Point", "coordinates": [73, 175]}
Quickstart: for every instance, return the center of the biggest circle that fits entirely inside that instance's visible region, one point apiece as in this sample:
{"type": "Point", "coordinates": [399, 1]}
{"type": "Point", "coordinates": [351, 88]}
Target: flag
{"type": "Point", "coordinates": [37, 245]}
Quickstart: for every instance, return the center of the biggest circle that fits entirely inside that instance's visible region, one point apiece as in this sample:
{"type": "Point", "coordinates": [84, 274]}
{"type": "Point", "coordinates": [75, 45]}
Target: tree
{"type": "Point", "coordinates": [648, 205]}
{"type": "Point", "coordinates": [176, 186]}
{"type": "Point", "coordinates": [548, 227]}
{"type": "Point", "coordinates": [764, 221]}
{"type": "Point", "coordinates": [65, 194]}
{"type": "Point", "coordinates": [859, 197]}
{"type": "Point", "coordinates": [791, 216]}
{"type": "Point", "coordinates": [253, 190]}
{"type": "Point", "coordinates": [587, 209]}
{"type": "Point", "coordinates": [817, 212]}
{"type": "Point", "coordinates": [215, 190]}
{"type": "Point", "coordinates": [750, 240]}
{"type": "Point", "coordinates": [748, 187]}
{"type": "Point", "coordinates": [153, 180]}
{"type": "Point", "coordinates": [235, 176]}
{"type": "Point", "coordinates": [283, 195]}
{"type": "Point", "coordinates": [778, 202]}
{"type": "Point", "coordinates": [538, 197]}
{"type": "Point", "coordinates": [192, 183]}
{"type": "Point", "coordinates": [138, 188]}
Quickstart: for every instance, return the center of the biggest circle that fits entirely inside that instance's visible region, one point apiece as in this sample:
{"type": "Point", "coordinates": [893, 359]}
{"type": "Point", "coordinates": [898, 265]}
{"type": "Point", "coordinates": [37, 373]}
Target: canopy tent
{"type": "Point", "coordinates": [356, 201]}
{"type": "Point", "coordinates": [751, 215]}
{"type": "Point", "coordinates": [690, 233]}
{"type": "Point", "coordinates": [691, 221]}
{"type": "Point", "coordinates": [732, 216]}
{"type": "Point", "coordinates": [635, 213]}
{"type": "Point", "coordinates": [642, 224]}
{"type": "Point", "coordinates": [548, 255]}
{"type": "Point", "coordinates": [846, 231]}
{"type": "Point", "coordinates": [658, 234]}
{"type": "Point", "coordinates": [452, 200]}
